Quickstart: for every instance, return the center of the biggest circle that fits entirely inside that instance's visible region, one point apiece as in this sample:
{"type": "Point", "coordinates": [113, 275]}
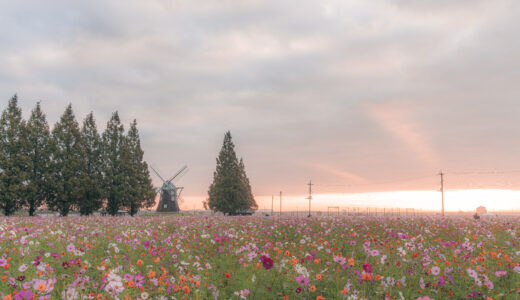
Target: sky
{"type": "Point", "coordinates": [368, 98]}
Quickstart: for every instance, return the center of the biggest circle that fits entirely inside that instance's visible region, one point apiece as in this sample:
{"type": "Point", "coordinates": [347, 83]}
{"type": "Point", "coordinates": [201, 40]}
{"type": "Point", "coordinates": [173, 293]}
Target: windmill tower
{"type": "Point", "coordinates": [170, 193]}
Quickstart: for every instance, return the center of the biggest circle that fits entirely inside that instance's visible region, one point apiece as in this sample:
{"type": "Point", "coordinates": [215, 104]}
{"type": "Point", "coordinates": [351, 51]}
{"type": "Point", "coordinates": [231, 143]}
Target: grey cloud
{"type": "Point", "coordinates": [291, 81]}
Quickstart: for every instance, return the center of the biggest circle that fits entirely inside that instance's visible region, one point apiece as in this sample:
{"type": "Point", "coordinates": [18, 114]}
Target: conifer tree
{"type": "Point", "coordinates": [114, 164]}
{"type": "Point", "coordinates": [93, 177]}
{"type": "Point", "coordinates": [68, 164]}
{"type": "Point", "coordinates": [13, 161]}
{"type": "Point", "coordinates": [245, 182]}
{"type": "Point", "coordinates": [229, 193]}
{"type": "Point", "coordinates": [38, 154]}
{"type": "Point", "coordinates": [139, 191]}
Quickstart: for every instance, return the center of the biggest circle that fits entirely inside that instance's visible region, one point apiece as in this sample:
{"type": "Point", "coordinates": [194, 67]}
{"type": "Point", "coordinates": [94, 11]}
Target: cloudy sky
{"type": "Point", "coordinates": [359, 96]}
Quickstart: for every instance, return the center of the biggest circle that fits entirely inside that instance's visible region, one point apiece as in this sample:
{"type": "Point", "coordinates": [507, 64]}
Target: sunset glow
{"type": "Point", "coordinates": [454, 200]}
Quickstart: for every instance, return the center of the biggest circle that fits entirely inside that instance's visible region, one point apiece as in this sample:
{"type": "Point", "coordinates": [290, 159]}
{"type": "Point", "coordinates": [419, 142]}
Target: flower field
{"type": "Point", "coordinates": [176, 257]}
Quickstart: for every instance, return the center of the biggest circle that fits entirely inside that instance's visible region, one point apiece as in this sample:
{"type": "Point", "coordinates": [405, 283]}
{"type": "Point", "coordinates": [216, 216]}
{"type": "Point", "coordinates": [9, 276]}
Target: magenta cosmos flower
{"type": "Point", "coordinates": [267, 262]}
{"type": "Point", "coordinates": [367, 268]}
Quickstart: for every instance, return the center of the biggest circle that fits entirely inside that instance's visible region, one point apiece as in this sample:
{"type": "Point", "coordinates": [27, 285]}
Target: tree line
{"type": "Point", "coordinates": [70, 168]}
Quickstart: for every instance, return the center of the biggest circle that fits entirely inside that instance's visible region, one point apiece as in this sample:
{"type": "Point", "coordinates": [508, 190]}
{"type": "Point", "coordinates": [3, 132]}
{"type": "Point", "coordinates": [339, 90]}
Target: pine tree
{"type": "Point", "coordinates": [114, 164]}
{"type": "Point", "coordinates": [139, 191]}
{"type": "Point", "coordinates": [93, 177]}
{"type": "Point", "coordinates": [229, 193]}
{"type": "Point", "coordinates": [38, 154]}
{"type": "Point", "coordinates": [13, 161]}
{"type": "Point", "coordinates": [68, 164]}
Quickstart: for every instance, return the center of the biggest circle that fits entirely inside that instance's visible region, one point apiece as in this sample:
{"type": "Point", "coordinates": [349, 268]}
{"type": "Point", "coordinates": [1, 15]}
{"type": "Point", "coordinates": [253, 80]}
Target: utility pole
{"type": "Point", "coordinates": [442, 191]}
{"type": "Point", "coordinates": [272, 205]}
{"type": "Point", "coordinates": [310, 196]}
{"type": "Point", "coordinates": [280, 203]}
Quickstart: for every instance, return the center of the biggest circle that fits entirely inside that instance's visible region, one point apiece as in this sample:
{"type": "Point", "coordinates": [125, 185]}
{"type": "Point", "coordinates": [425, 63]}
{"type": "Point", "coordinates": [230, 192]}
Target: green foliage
{"type": "Point", "coordinates": [139, 191]}
{"type": "Point", "coordinates": [115, 181]}
{"type": "Point", "coordinates": [68, 164]}
{"type": "Point", "coordinates": [70, 168]}
{"type": "Point", "coordinates": [230, 191]}
{"type": "Point", "coordinates": [38, 163]}
{"type": "Point", "coordinates": [245, 181]}
{"type": "Point", "coordinates": [92, 181]}
{"type": "Point", "coordinates": [13, 161]}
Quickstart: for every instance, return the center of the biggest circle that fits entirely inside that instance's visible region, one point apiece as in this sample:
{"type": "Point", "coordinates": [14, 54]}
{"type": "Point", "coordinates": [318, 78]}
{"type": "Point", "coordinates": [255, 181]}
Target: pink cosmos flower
{"type": "Point", "coordinates": [302, 280]}
{"type": "Point", "coordinates": [500, 273]}
{"type": "Point", "coordinates": [71, 248]}
{"type": "Point", "coordinates": [436, 271]}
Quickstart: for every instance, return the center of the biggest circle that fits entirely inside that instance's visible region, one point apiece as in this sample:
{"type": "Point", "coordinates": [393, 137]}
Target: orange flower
{"type": "Point", "coordinates": [4, 278]}
{"type": "Point", "coordinates": [140, 262]}
{"type": "Point", "coordinates": [378, 277]}
{"type": "Point", "coordinates": [151, 274]}
{"type": "Point", "coordinates": [8, 297]}
{"type": "Point", "coordinates": [320, 298]}
{"type": "Point", "coordinates": [186, 289]}
{"type": "Point", "coordinates": [157, 260]}
{"type": "Point", "coordinates": [366, 277]}
{"type": "Point", "coordinates": [351, 261]}
{"type": "Point", "coordinates": [319, 276]}
{"type": "Point", "coordinates": [227, 275]}
{"type": "Point", "coordinates": [316, 261]}
{"type": "Point", "coordinates": [313, 288]}
{"type": "Point", "coordinates": [41, 287]}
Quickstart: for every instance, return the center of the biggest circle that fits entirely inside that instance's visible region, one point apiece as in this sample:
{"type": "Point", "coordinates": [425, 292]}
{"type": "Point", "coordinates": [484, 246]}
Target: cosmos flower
{"type": "Point", "coordinates": [436, 271]}
{"type": "Point", "coordinates": [22, 268]}
{"type": "Point", "coordinates": [302, 280]}
{"type": "Point", "coordinates": [71, 248]}
{"type": "Point", "coordinates": [367, 267]}
{"type": "Point", "coordinates": [267, 262]}
{"type": "Point", "coordinates": [500, 273]}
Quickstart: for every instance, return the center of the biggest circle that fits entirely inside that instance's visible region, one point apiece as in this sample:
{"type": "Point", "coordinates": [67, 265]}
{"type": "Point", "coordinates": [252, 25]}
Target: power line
{"type": "Point", "coordinates": [377, 183]}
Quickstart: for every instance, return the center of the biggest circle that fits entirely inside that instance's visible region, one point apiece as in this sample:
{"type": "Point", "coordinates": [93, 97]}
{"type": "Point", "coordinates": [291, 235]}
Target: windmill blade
{"type": "Point", "coordinates": [157, 173]}
{"type": "Point", "coordinates": [179, 189]}
{"type": "Point", "coordinates": [178, 173]}
{"type": "Point", "coordinates": [179, 199]}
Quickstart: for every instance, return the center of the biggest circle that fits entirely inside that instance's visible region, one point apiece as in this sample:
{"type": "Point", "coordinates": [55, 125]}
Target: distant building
{"type": "Point", "coordinates": [481, 210]}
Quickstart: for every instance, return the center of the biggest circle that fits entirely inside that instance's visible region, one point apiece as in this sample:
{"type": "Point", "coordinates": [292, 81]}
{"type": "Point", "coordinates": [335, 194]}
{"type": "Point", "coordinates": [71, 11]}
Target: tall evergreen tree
{"type": "Point", "coordinates": [228, 193]}
{"type": "Point", "coordinates": [93, 176]}
{"type": "Point", "coordinates": [68, 164]}
{"type": "Point", "coordinates": [139, 191]}
{"type": "Point", "coordinates": [245, 181]}
{"type": "Point", "coordinates": [38, 154]}
{"type": "Point", "coordinates": [13, 161]}
{"type": "Point", "coordinates": [114, 164]}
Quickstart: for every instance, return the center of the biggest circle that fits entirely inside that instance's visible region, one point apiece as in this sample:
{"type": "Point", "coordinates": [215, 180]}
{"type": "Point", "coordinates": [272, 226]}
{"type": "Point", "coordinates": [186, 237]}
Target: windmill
{"type": "Point", "coordinates": [170, 193]}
